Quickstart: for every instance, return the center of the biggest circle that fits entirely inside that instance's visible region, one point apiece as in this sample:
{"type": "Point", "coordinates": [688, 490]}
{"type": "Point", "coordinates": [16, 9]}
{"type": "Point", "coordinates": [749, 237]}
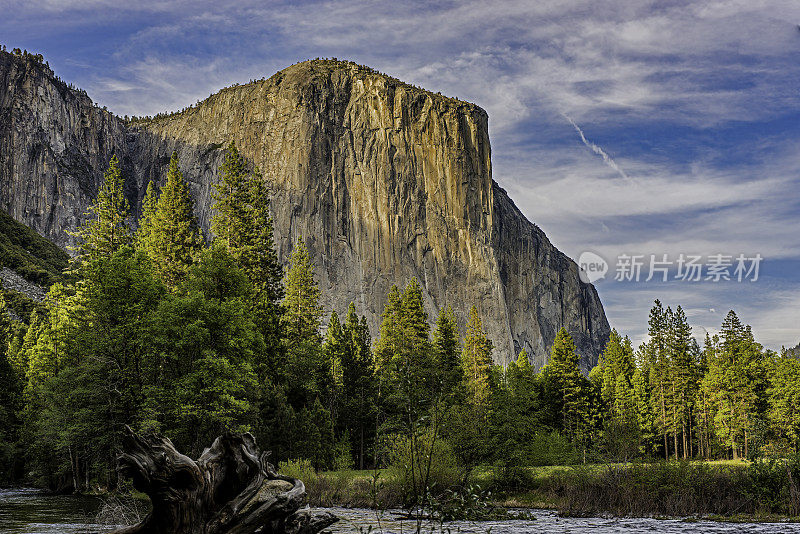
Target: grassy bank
{"type": "Point", "coordinates": [764, 490]}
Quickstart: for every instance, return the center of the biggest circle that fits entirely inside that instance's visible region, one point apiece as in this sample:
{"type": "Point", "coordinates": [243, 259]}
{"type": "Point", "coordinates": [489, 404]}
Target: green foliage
{"type": "Point", "coordinates": [206, 337]}
{"type": "Point", "coordinates": [405, 361]}
{"type": "Point", "coordinates": [784, 399]}
{"type": "Point", "coordinates": [735, 385]}
{"type": "Point", "coordinates": [300, 468]}
{"type": "Point", "coordinates": [313, 436]}
{"type": "Point", "coordinates": [11, 384]}
{"type": "Point", "coordinates": [302, 311]}
{"type": "Point", "coordinates": [242, 223]}
{"type": "Point", "coordinates": [470, 503]}
{"type": "Point", "coordinates": [20, 303]}
{"type": "Point", "coordinates": [144, 234]}
{"type": "Point", "coordinates": [106, 230]}
{"type": "Point", "coordinates": [551, 448]}
{"type": "Point", "coordinates": [447, 344]}
{"type": "Point", "coordinates": [422, 462]}
{"type": "Point", "coordinates": [359, 386]}
{"type": "Point", "coordinates": [193, 341]}
{"type": "Point", "coordinates": [28, 254]}
{"type": "Point", "coordinates": [568, 390]}
{"type": "Point", "coordinates": [620, 437]}
{"type": "Point", "coordinates": [168, 231]}
{"type": "Point", "coordinates": [476, 360]}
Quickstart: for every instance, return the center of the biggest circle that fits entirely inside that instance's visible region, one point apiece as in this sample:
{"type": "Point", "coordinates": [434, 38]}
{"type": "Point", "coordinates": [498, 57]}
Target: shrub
{"type": "Point", "coordinates": [299, 468]}
{"type": "Point", "coordinates": [422, 465]}
{"type": "Point", "coordinates": [551, 448]}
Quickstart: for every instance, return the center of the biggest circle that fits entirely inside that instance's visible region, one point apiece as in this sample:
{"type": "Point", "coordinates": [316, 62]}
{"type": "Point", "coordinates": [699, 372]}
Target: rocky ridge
{"type": "Point", "coordinates": [383, 181]}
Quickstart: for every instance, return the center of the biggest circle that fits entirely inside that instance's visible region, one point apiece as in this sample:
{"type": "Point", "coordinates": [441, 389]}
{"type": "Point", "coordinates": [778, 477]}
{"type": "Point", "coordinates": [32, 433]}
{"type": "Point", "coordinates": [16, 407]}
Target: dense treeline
{"type": "Point", "coordinates": [157, 329]}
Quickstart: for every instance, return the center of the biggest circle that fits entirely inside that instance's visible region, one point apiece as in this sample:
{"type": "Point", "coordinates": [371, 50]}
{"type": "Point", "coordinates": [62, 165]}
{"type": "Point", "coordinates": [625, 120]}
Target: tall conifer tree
{"type": "Point", "coordinates": [302, 312]}
{"type": "Point", "coordinates": [476, 359]}
{"type": "Point", "coordinates": [358, 380]}
{"type": "Point", "coordinates": [568, 388]}
{"type": "Point", "coordinates": [448, 351]}
{"type": "Point", "coordinates": [105, 230]}
{"type": "Point", "coordinates": [171, 236]}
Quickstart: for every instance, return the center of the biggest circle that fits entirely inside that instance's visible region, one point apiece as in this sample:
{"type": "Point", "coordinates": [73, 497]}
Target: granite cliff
{"type": "Point", "coordinates": [383, 181]}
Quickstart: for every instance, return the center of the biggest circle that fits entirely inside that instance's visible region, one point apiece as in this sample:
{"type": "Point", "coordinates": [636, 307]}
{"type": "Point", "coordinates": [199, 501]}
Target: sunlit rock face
{"type": "Point", "coordinates": [383, 181]}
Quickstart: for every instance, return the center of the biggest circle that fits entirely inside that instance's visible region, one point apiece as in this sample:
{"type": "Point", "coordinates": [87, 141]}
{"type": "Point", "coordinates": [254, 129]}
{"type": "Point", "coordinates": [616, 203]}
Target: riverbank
{"type": "Point", "coordinates": [729, 491]}
{"type": "Point", "coordinates": [28, 511]}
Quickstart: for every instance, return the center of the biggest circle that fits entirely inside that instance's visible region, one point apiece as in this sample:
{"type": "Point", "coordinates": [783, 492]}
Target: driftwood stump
{"type": "Point", "coordinates": [230, 489]}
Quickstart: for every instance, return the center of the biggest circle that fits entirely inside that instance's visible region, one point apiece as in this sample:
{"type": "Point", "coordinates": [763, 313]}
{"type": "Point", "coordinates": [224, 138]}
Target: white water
{"type": "Point", "coordinates": [548, 522]}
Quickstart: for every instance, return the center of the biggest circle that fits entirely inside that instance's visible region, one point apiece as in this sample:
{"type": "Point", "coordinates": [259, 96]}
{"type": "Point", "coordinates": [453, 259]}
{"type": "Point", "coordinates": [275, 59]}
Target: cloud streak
{"type": "Point", "coordinates": [608, 160]}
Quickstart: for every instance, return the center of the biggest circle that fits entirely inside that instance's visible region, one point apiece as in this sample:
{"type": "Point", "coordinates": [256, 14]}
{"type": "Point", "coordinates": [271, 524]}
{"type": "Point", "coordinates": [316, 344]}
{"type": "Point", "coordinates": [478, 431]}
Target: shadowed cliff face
{"type": "Point", "coordinates": [383, 181]}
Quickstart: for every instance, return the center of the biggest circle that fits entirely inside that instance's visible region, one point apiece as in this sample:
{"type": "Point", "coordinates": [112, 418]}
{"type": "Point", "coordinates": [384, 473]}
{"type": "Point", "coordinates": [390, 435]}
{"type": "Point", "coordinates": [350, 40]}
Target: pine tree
{"type": "Point", "coordinates": [404, 357]}
{"type": "Point", "coordinates": [149, 206]}
{"type": "Point", "coordinates": [10, 399]}
{"type": "Point", "coordinates": [204, 343]}
{"type": "Point", "coordinates": [302, 311]}
{"type": "Point", "coordinates": [314, 439]}
{"type": "Point", "coordinates": [567, 389]}
{"type": "Point", "coordinates": [359, 386]}
{"type": "Point", "coordinates": [784, 399]}
{"type": "Point", "coordinates": [645, 417]}
{"type": "Point", "coordinates": [105, 230]}
{"type": "Point", "coordinates": [617, 391]}
{"type": "Point", "coordinates": [684, 378]}
{"type": "Point", "coordinates": [231, 195]}
{"type": "Point", "coordinates": [409, 394]}
{"type": "Point", "coordinates": [658, 366]}
{"type": "Point", "coordinates": [171, 236]}
{"type": "Point", "coordinates": [307, 369]}
{"type": "Point", "coordinates": [388, 343]}
{"type": "Point", "coordinates": [335, 345]}
{"type": "Point", "coordinates": [448, 351]}
{"type": "Point", "coordinates": [734, 384]}
{"type": "Point", "coordinates": [241, 222]}
{"type": "Point", "coordinates": [703, 401]}
{"type": "Point", "coordinates": [476, 360]}
{"type": "Point", "coordinates": [519, 409]}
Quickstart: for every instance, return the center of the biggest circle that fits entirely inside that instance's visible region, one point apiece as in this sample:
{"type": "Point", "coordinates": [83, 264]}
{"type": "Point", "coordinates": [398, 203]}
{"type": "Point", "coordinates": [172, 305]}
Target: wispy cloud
{"type": "Point", "coordinates": [608, 160]}
{"type": "Point", "coordinates": [691, 109]}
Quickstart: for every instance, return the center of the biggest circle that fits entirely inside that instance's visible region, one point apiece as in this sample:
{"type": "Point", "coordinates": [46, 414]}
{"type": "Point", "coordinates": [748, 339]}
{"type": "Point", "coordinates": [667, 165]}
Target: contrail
{"type": "Point", "coordinates": [608, 160]}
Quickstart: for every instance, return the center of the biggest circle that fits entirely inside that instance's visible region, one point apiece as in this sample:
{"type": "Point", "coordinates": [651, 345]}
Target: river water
{"type": "Point", "coordinates": [29, 511]}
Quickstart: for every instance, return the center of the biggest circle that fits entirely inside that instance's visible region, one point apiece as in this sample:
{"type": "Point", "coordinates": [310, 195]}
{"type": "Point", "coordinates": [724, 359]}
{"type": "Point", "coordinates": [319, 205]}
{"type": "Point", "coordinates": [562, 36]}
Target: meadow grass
{"type": "Point", "coordinates": [735, 490]}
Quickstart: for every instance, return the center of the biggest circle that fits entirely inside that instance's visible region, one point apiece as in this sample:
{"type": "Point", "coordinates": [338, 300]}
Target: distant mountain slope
{"type": "Point", "coordinates": [384, 181]}
{"type": "Point", "coordinates": [30, 255]}
{"type": "Point", "coordinates": [29, 263]}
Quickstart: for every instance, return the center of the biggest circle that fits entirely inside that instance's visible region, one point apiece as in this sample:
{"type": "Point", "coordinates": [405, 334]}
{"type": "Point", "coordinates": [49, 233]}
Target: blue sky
{"type": "Point", "coordinates": [689, 112]}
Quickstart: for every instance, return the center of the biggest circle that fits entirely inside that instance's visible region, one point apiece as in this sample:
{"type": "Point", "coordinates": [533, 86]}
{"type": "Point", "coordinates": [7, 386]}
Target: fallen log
{"type": "Point", "coordinates": [230, 489]}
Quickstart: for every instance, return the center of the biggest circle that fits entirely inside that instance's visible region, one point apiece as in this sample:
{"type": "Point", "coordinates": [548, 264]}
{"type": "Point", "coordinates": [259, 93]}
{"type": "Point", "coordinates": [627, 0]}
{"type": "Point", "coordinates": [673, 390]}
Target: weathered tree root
{"type": "Point", "coordinates": [230, 489]}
